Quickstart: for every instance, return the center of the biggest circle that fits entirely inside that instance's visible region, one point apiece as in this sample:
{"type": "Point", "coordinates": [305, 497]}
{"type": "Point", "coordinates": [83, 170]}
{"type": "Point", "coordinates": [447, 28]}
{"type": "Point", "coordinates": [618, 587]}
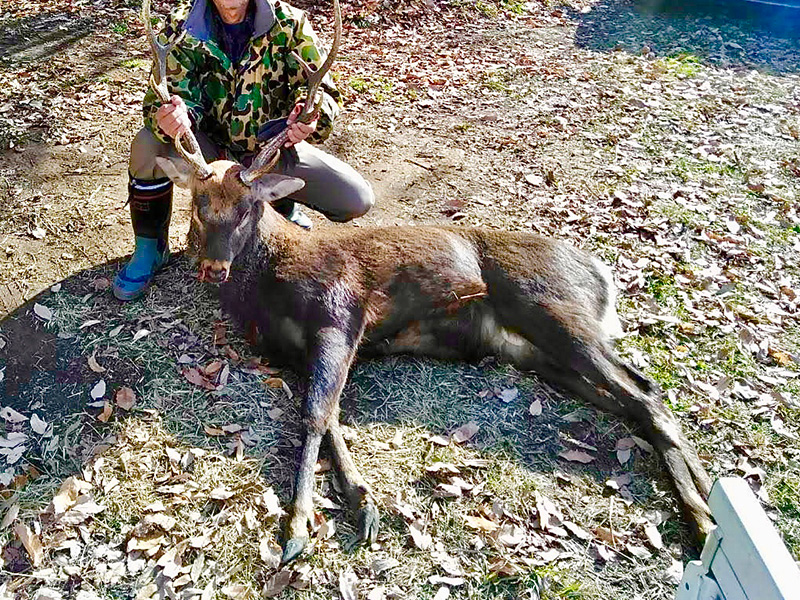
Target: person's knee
{"type": "Point", "coordinates": [144, 149]}
{"type": "Point", "coordinates": [355, 200]}
{"type": "Point", "coordinates": [363, 199]}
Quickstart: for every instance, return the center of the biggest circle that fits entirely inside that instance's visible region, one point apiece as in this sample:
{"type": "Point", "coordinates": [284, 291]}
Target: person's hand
{"type": "Point", "coordinates": [173, 118]}
{"type": "Point", "coordinates": [298, 131]}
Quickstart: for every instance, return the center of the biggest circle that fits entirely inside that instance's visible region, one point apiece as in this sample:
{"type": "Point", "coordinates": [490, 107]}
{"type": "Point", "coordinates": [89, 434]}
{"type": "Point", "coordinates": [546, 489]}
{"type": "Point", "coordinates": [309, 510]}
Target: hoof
{"type": "Point", "coordinates": [368, 523]}
{"type": "Point", "coordinates": [293, 548]}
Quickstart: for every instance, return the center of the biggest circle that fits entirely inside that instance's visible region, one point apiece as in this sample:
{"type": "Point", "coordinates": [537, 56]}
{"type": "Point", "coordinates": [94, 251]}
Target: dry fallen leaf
{"type": "Point", "coordinates": [509, 395]}
{"type": "Point", "coordinates": [577, 456]}
{"type": "Point", "coordinates": [125, 398]}
{"type": "Point", "coordinates": [213, 431]}
{"type": "Point", "coordinates": [67, 495]}
{"type": "Point", "coordinates": [579, 533]}
{"type": "Point", "coordinates": [193, 375]}
{"type": "Point", "coordinates": [99, 390]}
{"type": "Point", "coordinates": [10, 516]}
{"type": "Point", "coordinates": [94, 365]}
{"type": "Point", "coordinates": [443, 593]}
{"type": "Point", "coordinates": [277, 583]}
{"type": "Point", "coordinates": [653, 536]}
{"type": "Point", "coordinates": [381, 565]}
{"type": "Point", "coordinates": [377, 593]}
{"type": "Point", "coordinates": [638, 551]}
{"type": "Point", "coordinates": [643, 444]}
{"type": "Point", "coordinates": [421, 540]}
{"type": "Point", "coordinates": [465, 433]}
{"type": "Point", "coordinates": [84, 508]}
{"type": "Point", "coordinates": [480, 524]}
{"type": "Point", "coordinates": [441, 467]}
{"type": "Point", "coordinates": [38, 426]}
{"type": "Point", "coordinates": [535, 408]}
{"type": "Point", "coordinates": [237, 591]}
{"type": "Point", "coordinates": [32, 543]}
{"type": "Point", "coordinates": [43, 312]}
{"type": "Point", "coordinates": [348, 585]}
{"type": "Point", "coordinates": [220, 493]}
{"type": "Point", "coordinates": [105, 415]}
{"type": "Point", "coordinates": [12, 416]}
{"type": "Point", "coordinates": [270, 501]}
{"type": "Point", "coordinates": [607, 535]}
{"type": "Point", "coordinates": [270, 552]}
{"type": "Point", "coordinates": [212, 368]}
{"type": "Point", "coordinates": [605, 553]}
{"type": "Point", "coordinates": [100, 284]}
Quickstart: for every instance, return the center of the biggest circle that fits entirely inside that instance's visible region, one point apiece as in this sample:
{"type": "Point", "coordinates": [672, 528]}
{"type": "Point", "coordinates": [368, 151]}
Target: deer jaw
{"type": "Point", "coordinates": [225, 211]}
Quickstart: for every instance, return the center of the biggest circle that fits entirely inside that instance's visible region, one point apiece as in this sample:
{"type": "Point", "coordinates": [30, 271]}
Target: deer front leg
{"type": "Point", "coordinates": [356, 490]}
{"type": "Point", "coordinates": [330, 362]}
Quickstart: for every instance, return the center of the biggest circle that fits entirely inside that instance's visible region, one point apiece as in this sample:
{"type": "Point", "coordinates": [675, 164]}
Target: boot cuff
{"type": "Point", "coordinates": [150, 186]}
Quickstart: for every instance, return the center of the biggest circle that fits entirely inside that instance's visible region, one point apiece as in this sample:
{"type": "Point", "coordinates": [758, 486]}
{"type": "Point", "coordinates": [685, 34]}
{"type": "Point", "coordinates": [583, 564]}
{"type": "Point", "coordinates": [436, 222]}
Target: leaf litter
{"type": "Point", "coordinates": [167, 537]}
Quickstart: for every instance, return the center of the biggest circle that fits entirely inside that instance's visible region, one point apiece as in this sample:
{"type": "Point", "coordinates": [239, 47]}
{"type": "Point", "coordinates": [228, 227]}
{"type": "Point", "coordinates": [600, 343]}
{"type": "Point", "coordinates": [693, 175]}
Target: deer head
{"type": "Point", "coordinates": [225, 211]}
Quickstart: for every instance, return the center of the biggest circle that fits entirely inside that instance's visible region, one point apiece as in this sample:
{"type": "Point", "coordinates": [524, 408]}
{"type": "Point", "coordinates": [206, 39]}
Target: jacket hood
{"type": "Point", "coordinates": [199, 22]}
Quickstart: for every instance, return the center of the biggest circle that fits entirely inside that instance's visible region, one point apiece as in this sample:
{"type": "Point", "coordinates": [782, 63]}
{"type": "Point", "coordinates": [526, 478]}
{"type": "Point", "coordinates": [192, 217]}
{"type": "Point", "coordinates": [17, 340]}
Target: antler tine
{"type": "Point", "coordinates": [315, 76]}
{"type": "Point", "coordinates": [268, 155]}
{"type": "Point", "coordinates": [186, 144]}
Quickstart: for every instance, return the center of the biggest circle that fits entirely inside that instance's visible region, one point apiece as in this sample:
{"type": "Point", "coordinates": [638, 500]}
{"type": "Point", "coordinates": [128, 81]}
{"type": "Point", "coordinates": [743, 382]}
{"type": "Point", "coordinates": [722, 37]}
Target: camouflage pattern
{"type": "Point", "coordinates": [230, 103]}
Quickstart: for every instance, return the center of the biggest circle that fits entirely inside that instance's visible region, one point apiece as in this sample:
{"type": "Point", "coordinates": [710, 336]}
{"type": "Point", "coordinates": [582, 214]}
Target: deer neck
{"type": "Point", "coordinates": [273, 237]}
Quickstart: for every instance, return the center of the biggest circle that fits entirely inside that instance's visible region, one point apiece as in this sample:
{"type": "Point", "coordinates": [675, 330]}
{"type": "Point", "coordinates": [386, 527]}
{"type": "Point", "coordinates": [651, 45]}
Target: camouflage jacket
{"type": "Point", "coordinates": [228, 102]}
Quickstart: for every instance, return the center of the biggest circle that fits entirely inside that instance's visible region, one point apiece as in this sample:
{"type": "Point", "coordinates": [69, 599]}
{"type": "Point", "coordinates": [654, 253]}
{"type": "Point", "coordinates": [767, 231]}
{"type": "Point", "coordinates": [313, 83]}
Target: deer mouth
{"type": "Point", "coordinates": [214, 271]}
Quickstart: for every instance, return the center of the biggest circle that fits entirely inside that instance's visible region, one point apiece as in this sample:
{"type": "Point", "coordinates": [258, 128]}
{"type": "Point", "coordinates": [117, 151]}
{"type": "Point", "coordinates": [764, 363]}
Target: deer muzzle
{"type": "Point", "coordinates": [214, 271]}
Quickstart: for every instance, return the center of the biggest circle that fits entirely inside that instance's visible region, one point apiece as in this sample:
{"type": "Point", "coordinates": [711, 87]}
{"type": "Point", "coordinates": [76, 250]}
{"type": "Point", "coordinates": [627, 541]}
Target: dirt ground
{"type": "Point", "coordinates": [666, 142]}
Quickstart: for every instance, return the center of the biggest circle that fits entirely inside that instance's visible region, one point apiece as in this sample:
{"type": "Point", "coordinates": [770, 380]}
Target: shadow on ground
{"type": "Point", "coordinates": [732, 35]}
{"type": "Point", "coordinates": [41, 36]}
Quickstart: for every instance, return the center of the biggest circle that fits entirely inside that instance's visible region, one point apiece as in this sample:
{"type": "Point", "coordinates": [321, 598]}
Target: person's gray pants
{"type": "Point", "coordinates": [332, 187]}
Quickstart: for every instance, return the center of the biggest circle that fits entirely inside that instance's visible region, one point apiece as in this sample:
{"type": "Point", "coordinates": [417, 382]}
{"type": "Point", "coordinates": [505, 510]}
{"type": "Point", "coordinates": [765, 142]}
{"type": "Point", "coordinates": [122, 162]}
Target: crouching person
{"type": "Point", "coordinates": [233, 78]}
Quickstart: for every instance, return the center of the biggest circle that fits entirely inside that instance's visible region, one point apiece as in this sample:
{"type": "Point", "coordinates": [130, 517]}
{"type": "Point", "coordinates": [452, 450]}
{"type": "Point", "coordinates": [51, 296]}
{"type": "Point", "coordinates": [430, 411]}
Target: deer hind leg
{"type": "Point", "coordinates": [358, 494]}
{"type": "Point", "coordinates": [602, 379]}
{"type": "Point", "coordinates": [574, 354]}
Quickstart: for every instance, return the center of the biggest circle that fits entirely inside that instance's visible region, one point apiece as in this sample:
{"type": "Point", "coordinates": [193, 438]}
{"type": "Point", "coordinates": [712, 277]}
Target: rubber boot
{"type": "Point", "coordinates": [151, 208]}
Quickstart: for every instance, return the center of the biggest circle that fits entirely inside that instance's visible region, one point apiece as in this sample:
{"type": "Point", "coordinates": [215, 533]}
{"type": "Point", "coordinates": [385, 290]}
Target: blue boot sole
{"type": "Point", "coordinates": [130, 288]}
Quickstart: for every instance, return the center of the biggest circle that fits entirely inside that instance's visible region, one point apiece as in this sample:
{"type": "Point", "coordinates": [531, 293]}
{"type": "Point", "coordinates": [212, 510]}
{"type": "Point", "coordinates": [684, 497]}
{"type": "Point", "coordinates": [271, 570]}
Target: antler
{"type": "Point", "coordinates": [268, 155]}
{"type": "Point", "coordinates": [185, 143]}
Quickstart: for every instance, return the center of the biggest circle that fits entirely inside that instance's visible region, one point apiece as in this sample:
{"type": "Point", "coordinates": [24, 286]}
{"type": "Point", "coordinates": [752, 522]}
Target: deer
{"type": "Point", "coordinates": [320, 299]}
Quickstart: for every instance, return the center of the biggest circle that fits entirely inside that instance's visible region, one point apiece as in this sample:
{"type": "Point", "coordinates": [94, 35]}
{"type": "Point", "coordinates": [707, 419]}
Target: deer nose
{"type": "Point", "coordinates": [214, 272]}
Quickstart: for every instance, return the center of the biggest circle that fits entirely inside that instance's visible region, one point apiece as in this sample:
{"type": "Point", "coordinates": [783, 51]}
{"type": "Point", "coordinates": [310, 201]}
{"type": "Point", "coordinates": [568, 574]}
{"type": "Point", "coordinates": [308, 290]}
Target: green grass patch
{"type": "Point", "coordinates": [120, 27]}
{"type": "Point", "coordinates": [680, 65]}
{"type": "Point", "coordinates": [135, 63]}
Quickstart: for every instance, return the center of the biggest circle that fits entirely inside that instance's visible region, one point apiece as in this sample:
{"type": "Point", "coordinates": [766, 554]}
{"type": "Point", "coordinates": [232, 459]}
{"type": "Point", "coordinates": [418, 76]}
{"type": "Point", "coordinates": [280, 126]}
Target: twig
{"type": "Point", "coordinates": [413, 162]}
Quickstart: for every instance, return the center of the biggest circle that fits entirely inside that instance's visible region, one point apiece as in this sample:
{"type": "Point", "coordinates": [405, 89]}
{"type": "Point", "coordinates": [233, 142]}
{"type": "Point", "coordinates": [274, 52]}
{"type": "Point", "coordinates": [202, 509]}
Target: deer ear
{"type": "Point", "coordinates": [272, 187]}
{"type": "Point", "coordinates": [177, 170]}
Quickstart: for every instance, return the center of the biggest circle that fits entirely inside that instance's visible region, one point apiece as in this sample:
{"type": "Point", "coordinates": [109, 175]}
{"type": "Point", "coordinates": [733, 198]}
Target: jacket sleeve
{"type": "Point", "coordinates": [306, 43]}
{"type": "Point", "coordinates": [183, 69]}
